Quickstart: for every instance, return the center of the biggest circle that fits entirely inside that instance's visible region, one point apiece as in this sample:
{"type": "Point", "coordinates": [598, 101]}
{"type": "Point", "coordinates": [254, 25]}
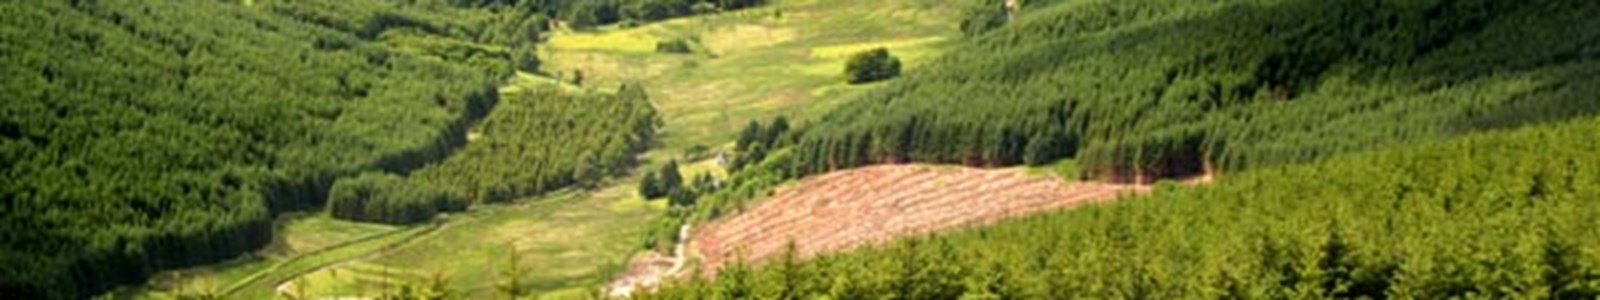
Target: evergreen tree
{"type": "Point", "coordinates": [649, 187]}
{"type": "Point", "coordinates": [775, 132]}
{"type": "Point", "coordinates": [510, 284]}
{"type": "Point", "coordinates": [752, 134]}
{"type": "Point", "coordinates": [671, 180]}
{"type": "Point", "coordinates": [682, 197]}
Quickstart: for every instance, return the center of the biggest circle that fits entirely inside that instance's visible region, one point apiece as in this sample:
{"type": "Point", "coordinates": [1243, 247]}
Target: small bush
{"type": "Point", "coordinates": [872, 65]}
{"type": "Point", "coordinates": [675, 46]}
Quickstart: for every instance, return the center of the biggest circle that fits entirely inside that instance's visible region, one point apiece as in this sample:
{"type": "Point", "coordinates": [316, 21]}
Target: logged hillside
{"type": "Point", "coordinates": [138, 136]}
{"type": "Point", "coordinates": [1277, 93]}
{"type": "Point", "coordinates": [1146, 89]}
{"type": "Point", "coordinates": [1497, 216]}
{"type": "Point", "coordinates": [873, 205]}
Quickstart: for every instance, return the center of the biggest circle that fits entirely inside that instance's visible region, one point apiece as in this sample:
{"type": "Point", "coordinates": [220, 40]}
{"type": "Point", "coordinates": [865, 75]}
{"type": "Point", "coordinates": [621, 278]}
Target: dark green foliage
{"type": "Point", "coordinates": [675, 46]}
{"type": "Point", "coordinates": [671, 178]}
{"type": "Point", "coordinates": [756, 140]}
{"type": "Point", "coordinates": [1500, 216]}
{"type": "Point", "coordinates": [681, 196]}
{"type": "Point", "coordinates": [987, 15]}
{"type": "Point", "coordinates": [1044, 147]}
{"type": "Point", "coordinates": [776, 132]}
{"type": "Point", "coordinates": [704, 183]}
{"type": "Point", "coordinates": [984, 16]}
{"type": "Point", "coordinates": [665, 182]}
{"type": "Point", "coordinates": [386, 198]}
{"type": "Point", "coordinates": [751, 135]}
{"type": "Point", "coordinates": [542, 140]}
{"type": "Point", "coordinates": [650, 186]}
{"type": "Point", "coordinates": [138, 136]}
{"type": "Point", "coordinates": [593, 13]}
{"type": "Point", "coordinates": [1146, 89]}
{"type": "Point", "coordinates": [738, 4]}
{"type": "Point", "coordinates": [872, 65]}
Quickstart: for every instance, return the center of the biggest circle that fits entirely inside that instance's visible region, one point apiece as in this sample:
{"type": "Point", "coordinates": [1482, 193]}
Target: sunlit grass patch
{"type": "Point", "coordinates": [570, 239]}
{"type": "Point", "coordinates": [636, 40]}
{"type": "Point", "coordinates": [843, 51]}
{"type": "Point", "coordinates": [313, 233]}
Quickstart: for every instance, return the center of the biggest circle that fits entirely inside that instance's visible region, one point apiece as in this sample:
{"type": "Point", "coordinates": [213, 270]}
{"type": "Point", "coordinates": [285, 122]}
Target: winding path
{"type": "Point", "coordinates": [647, 271]}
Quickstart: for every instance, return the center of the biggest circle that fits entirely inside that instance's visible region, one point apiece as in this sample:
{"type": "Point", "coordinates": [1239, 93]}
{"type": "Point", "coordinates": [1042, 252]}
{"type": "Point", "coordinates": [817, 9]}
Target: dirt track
{"type": "Point", "coordinates": [847, 209]}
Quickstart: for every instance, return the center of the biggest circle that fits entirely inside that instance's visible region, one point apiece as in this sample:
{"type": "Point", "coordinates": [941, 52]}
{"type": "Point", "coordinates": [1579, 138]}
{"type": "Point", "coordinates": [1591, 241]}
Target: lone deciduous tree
{"type": "Point", "coordinates": [872, 65]}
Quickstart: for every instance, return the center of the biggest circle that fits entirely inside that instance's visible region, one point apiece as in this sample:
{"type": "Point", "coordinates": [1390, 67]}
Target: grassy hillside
{"type": "Point", "coordinates": [139, 136]}
{"type": "Point", "coordinates": [1138, 90]}
{"type": "Point", "coordinates": [1491, 216]}
{"type": "Point", "coordinates": [1144, 90]}
{"type": "Point", "coordinates": [567, 244]}
{"type": "Point", "coordinates": [785, 58]}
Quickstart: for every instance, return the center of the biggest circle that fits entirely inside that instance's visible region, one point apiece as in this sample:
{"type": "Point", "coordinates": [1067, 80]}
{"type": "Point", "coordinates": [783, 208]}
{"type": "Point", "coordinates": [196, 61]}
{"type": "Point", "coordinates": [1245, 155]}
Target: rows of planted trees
{"type": "Point", "coordinates": [1146, 89]}
{"type": "Point", "coordinates": [1503, 215]}
{"type": "Point", "coordinates": [138, 136]}
{"type": "Point", "coordinates": [534, 142]}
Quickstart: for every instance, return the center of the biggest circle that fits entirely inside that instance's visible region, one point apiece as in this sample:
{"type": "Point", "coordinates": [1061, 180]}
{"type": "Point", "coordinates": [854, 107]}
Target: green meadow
{"type": "Point", "coordinates": [784, 59]}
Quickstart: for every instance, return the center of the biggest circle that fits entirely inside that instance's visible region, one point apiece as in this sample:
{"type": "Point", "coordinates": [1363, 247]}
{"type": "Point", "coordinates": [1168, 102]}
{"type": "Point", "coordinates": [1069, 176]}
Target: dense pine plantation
{"type": "Point", "coordinates": [144, 135]}
{"type": "Point", "coordinates": [543, 140]}
{"type": "Point", "coordinates": [1146, 89]}
{"type": "Point", "coordinates": [533, 142]}
{"type": "Point", "coordinates": [1488, 216]}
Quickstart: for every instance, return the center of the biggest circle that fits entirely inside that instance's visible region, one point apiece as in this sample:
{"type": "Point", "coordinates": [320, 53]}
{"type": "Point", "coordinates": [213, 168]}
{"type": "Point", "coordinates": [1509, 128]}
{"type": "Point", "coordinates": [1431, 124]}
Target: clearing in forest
{"type": "Point", "coordinates": [786, 58]}
{"type": "Point", "coordinates": [846, 209]}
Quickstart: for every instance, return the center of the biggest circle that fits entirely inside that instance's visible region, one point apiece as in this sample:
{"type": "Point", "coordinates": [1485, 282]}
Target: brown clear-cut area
{"type": "Point", "coordinates": [847, 209]}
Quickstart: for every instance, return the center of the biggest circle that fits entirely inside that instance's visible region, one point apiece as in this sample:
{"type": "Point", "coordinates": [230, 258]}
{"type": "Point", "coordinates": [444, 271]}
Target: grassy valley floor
{"type": "Point", "coordinates": [785, 59]}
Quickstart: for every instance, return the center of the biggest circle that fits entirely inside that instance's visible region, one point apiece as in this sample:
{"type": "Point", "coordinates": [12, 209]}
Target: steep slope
{"type": "Point", "coordinates": [1498, 215]}
{"type": "Point", "coordinates": [139, 136]}
{"type": "Point", "coordinates": [1145, 89]}
{"type": "Point", "coordinates": [872, 205]}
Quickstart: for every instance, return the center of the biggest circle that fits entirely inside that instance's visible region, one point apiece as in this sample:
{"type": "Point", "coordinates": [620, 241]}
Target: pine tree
{"type": "Point", "coordinates": [775, 132]}
{"type": "Point", "coordinates": [751, 135]}
{"type": "Point", "coordinates": [670, 179]}
{"type": "Point", "coordinates": [649, 187]}
{"type": "Point", "coordinates": [510, 284]}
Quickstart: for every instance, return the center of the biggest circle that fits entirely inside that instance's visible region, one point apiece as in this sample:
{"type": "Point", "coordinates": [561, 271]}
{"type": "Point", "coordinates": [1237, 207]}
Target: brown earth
{"type": "Point", "coordinates": [847, 209]}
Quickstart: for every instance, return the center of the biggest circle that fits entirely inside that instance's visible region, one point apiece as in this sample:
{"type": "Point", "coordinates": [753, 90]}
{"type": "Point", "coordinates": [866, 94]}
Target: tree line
{"type": "Point", "coordinates": [1497, 215]}
{"type": "Point", "coordinates": [534, 142]}
{"type": "Point", "coordinates": [593, 13]}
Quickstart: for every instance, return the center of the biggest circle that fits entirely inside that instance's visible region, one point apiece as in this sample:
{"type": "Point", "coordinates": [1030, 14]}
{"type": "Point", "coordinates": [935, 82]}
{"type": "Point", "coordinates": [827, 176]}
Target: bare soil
{"type": "Point", "coordinates": [847, 209]}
